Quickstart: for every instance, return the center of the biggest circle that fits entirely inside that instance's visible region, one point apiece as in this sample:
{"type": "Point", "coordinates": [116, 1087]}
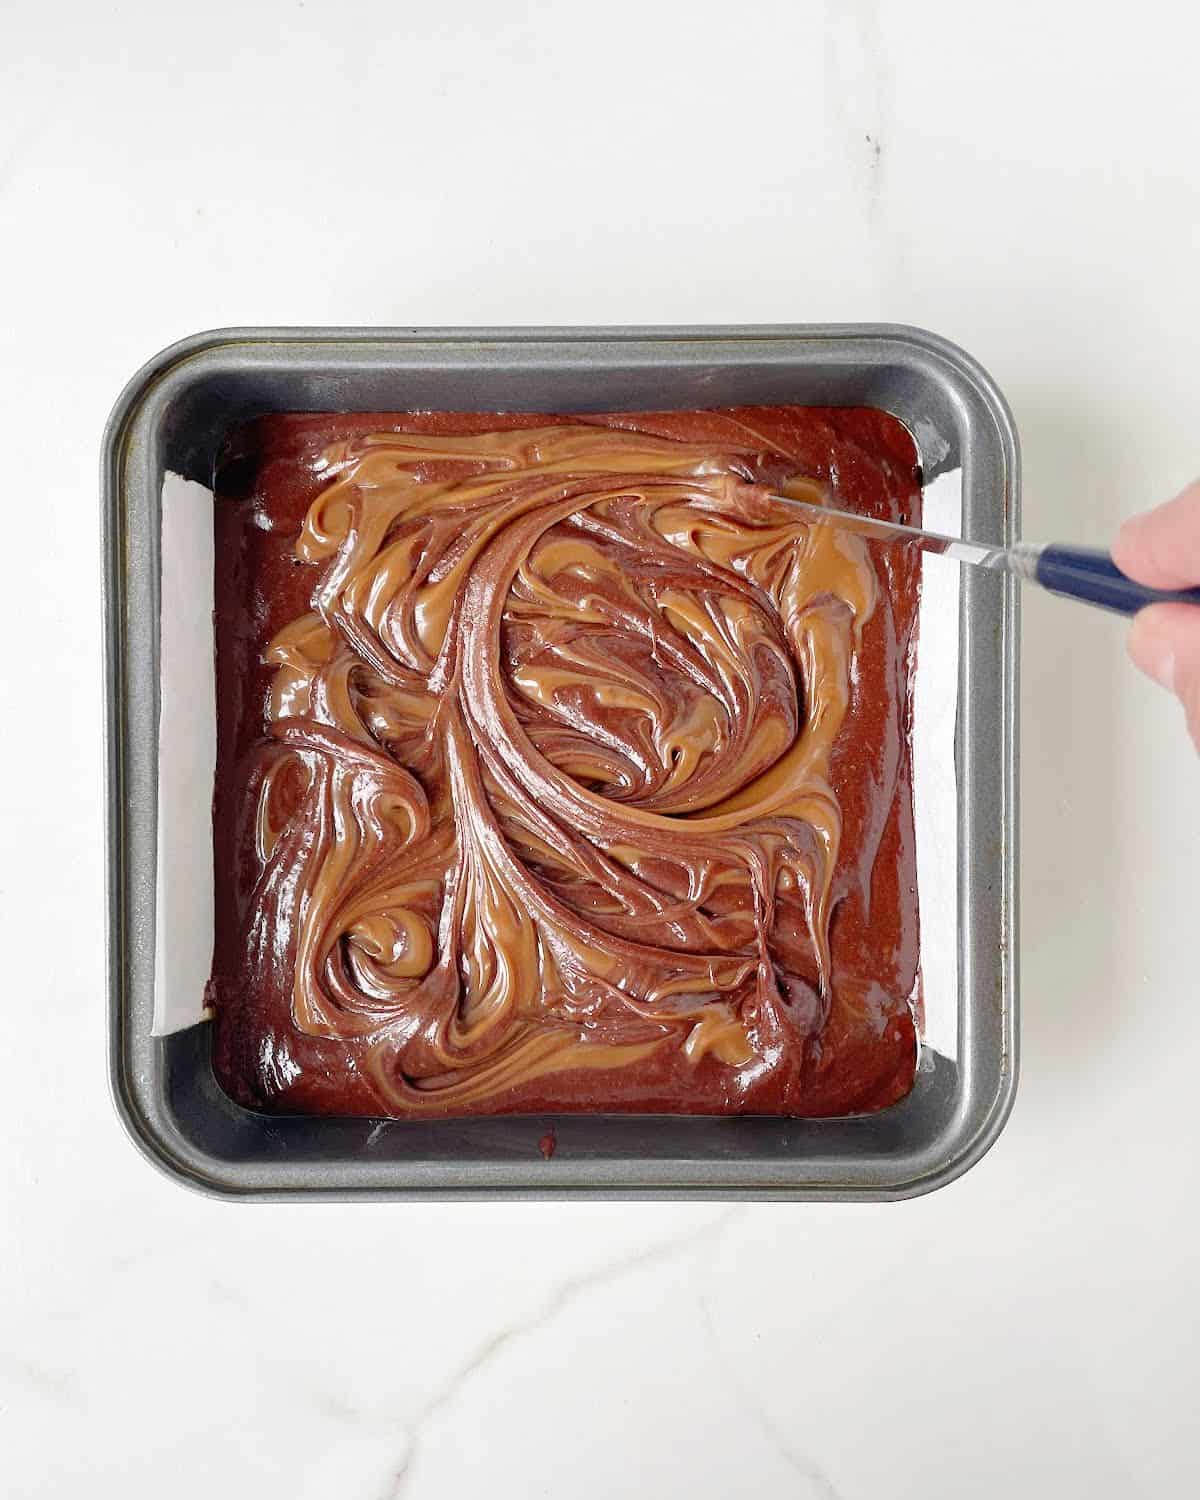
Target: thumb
{"type": "Point", "coordinates": [1164, 641]}
{"type": "Point", "coordinates": [1162, 547]}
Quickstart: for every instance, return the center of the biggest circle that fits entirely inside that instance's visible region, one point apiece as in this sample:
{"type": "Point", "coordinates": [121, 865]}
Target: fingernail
{"type": "Point", "coordinates": [1128, 529]}
{"type": "Point", "coordinates": [1154, 655]}
{"type": "Point", "coordinates": [1127, 547]}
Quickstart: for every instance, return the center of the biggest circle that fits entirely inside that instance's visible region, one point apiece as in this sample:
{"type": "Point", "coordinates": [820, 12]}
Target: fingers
{"type": "Point", "coordinates": [1162, 547]}
{"type": "Point", "coordinates": [1164, 641]}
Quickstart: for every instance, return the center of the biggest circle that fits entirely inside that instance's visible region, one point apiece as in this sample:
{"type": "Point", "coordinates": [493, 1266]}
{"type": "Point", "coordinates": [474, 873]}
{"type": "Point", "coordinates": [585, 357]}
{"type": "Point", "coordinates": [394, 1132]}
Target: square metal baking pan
{"type": "Point", "coordinates": [173, 416]}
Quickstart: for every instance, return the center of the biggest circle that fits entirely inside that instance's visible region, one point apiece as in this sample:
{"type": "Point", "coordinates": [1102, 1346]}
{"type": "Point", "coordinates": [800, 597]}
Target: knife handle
{"type": "Point", "coordinates": [1089, 574]}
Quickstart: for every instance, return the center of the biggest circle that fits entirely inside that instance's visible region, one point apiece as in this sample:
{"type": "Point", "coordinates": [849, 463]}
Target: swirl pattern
{"type": "Point", "coordinates": [546, 792]}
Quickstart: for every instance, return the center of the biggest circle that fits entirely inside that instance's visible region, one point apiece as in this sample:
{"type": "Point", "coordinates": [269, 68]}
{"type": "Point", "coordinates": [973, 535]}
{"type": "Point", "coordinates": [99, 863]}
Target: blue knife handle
{"type": "Point", "coordinates": [1091, 575]}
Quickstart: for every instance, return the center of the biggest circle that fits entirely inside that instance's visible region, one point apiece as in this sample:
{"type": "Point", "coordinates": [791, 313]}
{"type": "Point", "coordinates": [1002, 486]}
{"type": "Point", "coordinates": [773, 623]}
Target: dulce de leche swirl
{"type": "Point", "coordinates": [561, 768]}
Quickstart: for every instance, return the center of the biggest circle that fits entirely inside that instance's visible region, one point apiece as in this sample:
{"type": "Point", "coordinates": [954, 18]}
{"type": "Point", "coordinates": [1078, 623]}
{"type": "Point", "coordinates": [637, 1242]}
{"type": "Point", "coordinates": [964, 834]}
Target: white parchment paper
{"type": "Point", "coordinates": [935, 774]}
{"type": "Point", "coordinates": [187, 760]}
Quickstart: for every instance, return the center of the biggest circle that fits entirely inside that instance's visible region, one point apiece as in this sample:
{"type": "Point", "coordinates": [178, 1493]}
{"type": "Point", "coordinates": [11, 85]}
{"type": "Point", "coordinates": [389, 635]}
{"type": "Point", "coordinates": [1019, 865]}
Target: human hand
{"type": "Point", "coordinates": [1161, 548]}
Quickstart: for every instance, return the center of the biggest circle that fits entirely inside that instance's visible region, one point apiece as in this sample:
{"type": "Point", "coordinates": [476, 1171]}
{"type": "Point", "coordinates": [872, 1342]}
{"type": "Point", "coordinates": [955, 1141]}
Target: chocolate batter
{"type": "Point", "coordinates": [560, 768]}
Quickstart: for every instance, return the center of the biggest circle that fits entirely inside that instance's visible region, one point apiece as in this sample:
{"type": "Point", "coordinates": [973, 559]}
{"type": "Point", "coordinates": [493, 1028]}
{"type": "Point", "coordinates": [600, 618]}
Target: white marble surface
{"type": "Point", "coordinates": [1022, 178]}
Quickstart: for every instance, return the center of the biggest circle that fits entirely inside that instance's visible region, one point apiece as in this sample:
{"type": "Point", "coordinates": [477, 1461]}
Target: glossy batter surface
{"type": "Point", "coordinates": [561, 768]}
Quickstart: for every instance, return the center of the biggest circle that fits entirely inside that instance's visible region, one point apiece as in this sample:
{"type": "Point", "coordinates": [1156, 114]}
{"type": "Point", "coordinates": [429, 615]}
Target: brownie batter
{"type": "Point", "coordinates": [562, 768]}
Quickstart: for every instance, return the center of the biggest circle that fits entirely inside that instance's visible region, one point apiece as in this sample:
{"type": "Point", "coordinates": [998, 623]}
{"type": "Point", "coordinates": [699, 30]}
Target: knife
{"type": "Point", "coordinates": [1084, 573]}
